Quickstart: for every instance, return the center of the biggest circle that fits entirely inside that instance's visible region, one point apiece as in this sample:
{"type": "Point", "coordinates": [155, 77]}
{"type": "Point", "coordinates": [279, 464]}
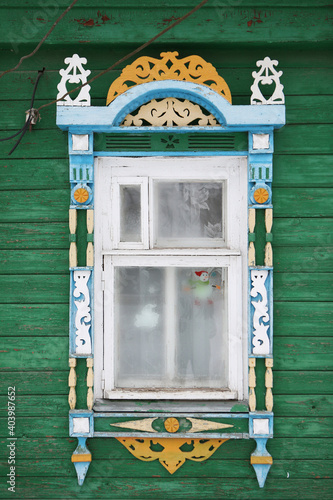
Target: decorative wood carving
{"type": "Point", "coordinates": [169, 112]}
{"type": "Point", "coordinates": [72, 383]}
{"type": "Point", "coordinates": [74, 73]}
{"type": "Point", "coordinates": [147, 69]}
{"type": "Point", "coordinates": [83, 315]}
{"type": "Point", "coordinates": [269, 384]}
{"type": "Point", "coordinates": [171, 454]}
{"type": "Point", "coordinates": [90, 245]}
{"type": "Point", "coordinates": [268, 246]}
{"type": "Point", "coordinates": [252, 384]}
{"type": "Point", "coordinates": [267, 75]}
{"type": "Point", "coordinates": [252, 251]}
{"type": "Point", "coordinates": [260, 340]}
{"type": "Point", "coordinates": [90, 383]}
{"type": "Point", "coordinates": [72, 230]}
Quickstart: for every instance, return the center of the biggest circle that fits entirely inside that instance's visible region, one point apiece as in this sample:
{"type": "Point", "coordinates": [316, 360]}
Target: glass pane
{"type": "Point", "coordinates": [130, 213]}
{"type": "Point", "coordinates": [170, 327]}
{"type": "Point", "coordinates": [190, 212]}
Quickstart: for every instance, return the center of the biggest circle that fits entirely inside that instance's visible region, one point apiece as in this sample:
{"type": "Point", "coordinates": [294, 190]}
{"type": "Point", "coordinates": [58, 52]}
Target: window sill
{"type": "Point", "coordinates": [168, 406]}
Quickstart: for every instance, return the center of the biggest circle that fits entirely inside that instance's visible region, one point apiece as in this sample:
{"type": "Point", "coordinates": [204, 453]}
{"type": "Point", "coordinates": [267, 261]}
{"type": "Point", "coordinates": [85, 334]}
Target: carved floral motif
{"type": "Point", "coordinates": [261, 319]}
{"type": "Point", "coordinates": [148, 69]}
{"type": "Point", "coordinates": [171, 453]}
{"type": "Point", "coordinates": [267, 75]}
{"type": "Point", "coordinates": [83, 316]}
{"type": "Point", "coordinates": [169, 112]}
{"type": "Point", "coordinates": [74, 73]}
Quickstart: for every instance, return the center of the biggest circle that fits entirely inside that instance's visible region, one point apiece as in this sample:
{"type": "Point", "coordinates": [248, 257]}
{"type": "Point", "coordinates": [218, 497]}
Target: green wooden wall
{"type": "Point", "coordinates": [34, 280]}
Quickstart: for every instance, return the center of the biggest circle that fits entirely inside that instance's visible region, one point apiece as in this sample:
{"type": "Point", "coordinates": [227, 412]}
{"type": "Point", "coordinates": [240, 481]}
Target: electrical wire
{"type": "Point", "coordinates": [29, 118]}
{"type": "Point", "coordinates": [41, 42]}
{"type": "Point", "coordinates": [139, 49]}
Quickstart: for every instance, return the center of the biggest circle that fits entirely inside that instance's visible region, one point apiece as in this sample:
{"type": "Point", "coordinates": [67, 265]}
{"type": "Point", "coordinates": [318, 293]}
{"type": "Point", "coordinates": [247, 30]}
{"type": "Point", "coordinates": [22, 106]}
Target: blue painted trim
{"type": "Point", "coordinates": [98, 119]}
{"type": "Point", "coordinates": [80, 152]}
{"type": "Point", "coordinates": [270, 150]}
{"type": "Point", "coordinates": [260, 415]}
{"type": "Point", "coordinates": [81, 414]}
{"type": "Point", "coordinates": [169, 153]}
{"type": "Point", "coordinates": [73, 310]}
{"type": "Point", "coordinates": [261, 470]}
{"type": "Point", "coordinates": [183, 435]}
{"type": "Point", "coordinates": [252, 187]}
{"type": "Point", "coordinates": [81, 467]}
{"type": "Point", "coordinates": [269, 290]}
{"type": "Point", "coordinates": [175, 413]}
{"type": "Point", "coordinates": [89, 202]}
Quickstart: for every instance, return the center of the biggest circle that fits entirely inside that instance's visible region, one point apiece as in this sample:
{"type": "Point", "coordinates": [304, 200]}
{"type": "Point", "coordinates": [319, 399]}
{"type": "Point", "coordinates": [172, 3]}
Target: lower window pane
{"type": "Point", "coordinates": [170, 327]}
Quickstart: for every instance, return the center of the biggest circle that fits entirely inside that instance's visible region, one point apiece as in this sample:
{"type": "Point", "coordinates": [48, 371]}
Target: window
{"type": "Point", "coordinates": [171, 254]}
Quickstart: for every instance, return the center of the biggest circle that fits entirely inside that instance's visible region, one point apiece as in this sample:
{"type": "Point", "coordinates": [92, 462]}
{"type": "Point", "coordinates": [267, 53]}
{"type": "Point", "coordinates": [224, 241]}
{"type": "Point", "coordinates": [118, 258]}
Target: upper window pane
{"type": "Point", "coordinates": [130, 213]}
{"type": "Point", "coordinates": [188, 214]}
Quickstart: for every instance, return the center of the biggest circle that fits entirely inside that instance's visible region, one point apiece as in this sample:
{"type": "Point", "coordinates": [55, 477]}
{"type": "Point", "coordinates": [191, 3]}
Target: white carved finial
{"type": "Point", "coordinates": [74, 73]}
{"type": "Point", "coordinates": [267, 76]}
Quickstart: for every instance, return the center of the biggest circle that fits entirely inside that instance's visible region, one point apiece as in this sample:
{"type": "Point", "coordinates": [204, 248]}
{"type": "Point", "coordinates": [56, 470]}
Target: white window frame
{"type": "Point", "coordinates": [110, 173]}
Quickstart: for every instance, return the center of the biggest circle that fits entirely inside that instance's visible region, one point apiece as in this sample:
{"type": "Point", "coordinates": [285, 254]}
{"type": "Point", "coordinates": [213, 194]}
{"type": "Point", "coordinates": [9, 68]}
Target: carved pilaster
{"type": "Point", "coordinates": [269, 384]}
{"type": "Point", "coordinates": [252, 384]}
{"type": "Point", "coordinates": [72, 384]}
{"type": "Point", "coordinates": [90, 383]}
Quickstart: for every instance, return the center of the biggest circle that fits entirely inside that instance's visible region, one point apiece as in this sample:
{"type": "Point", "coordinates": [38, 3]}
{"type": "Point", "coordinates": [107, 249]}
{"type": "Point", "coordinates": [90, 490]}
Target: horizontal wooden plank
{"type": "Point", "coordinates": [173, 3]}
{"type": "Point", "coordinates": [286, 259]}
{"type": "Point", "coordinates": [168, 488]}
{"type": "Point", "coordinates": [305, 232]}
{"type": "Point", "coordinates": [302, 171]}
{"type": "Point", "coordinates": [297, 469]}
{"type": "Point", "coordinates": [305, 406]}
{"type": "Point", "coordinates": [303, 286]}
{"type": "Point", "coordinates": [29, 353]}
{"type": "Point", "coordinates": [304, 139]}
{"type": "Point", "coordinates": [303, 319]}
{"type": "Point", "coordinates": [303, 202]}
{"type": "Point", "coordinates": [296, 353]}
{"type": "Point", "coordinates": [35, 206]}
{"type": "Point", "coordinates": [287, 382]}
{"type": "Point", "coordinates": [33, 261]}
{"type": "Point", "coordinates": [53, 235]}
{"type": "Point", "coordinates": [29, 174]}
{"type": "Point", "coordinates": [52, 205]}
{"type": "Point", "coordinates": [284, 405]}
{"type": "Point", "coordinates": [34, 382]}
{"type": "Point", "coordinates": [101, 449]}
{"type": "Point", "coordinates": [34, 320]}
{"type": "Point", "coordinates": [238, 26]}
{"type": "Point", "coordinates": [50, 353]}
{"type": "Point", "coordinates": [302, 382]}
{"type": "Point", "coordinates": [34, 289]}
{"type": "Point", "coordinates": [38, 143]}
{"type": "Point", "coordinates": [308, 260]}
{"type": "Point", "coordinates": [297, 82]}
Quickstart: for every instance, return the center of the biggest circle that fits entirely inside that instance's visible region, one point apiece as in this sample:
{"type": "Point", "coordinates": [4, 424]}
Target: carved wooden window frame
{"type": "Point", "coordinates": [82, 121]}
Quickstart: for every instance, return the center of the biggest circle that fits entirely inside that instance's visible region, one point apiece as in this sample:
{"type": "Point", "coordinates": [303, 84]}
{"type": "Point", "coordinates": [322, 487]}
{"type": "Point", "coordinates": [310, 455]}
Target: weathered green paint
{"type": "Point", "coordinates": [34, 244]}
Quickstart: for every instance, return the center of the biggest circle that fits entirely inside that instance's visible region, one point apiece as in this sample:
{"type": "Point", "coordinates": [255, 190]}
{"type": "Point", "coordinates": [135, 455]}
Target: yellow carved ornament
{"type": "Point", "coordinates": [149, 69]}
{"type": "Point", "coordinates": [261, 195]}
{"type": "Point", "coordinates": [81, 195]}
{"type": "Point", "coordinates": [171, 452]}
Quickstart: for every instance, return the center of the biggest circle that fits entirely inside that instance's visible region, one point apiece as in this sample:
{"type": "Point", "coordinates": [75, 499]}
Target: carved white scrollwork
{"type": "Point", "coordinates": [169, 112]}
{"type": "Point", "coordinates": [261, 320]}
{"type": "Point", "coordinates": [83, 316]}
{"type": "Point", "coordinates": [76, 74]}
{"type": "Point", "coordinates": [267, 75]}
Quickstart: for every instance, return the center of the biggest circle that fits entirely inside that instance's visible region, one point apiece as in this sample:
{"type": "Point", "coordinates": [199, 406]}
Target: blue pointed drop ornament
{"type": "Point", "coordinates": [81, 459]}
{"type": "Point", "coordinates": [261, 461]}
